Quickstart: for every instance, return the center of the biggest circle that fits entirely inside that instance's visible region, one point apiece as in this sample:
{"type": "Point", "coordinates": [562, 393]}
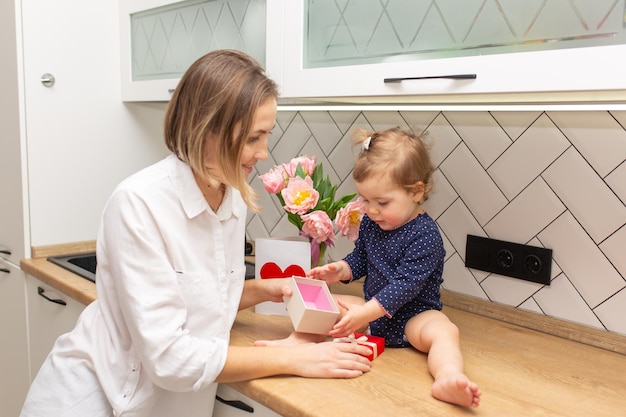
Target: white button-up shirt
{"type": "Point", "coordinates": [169, 280]}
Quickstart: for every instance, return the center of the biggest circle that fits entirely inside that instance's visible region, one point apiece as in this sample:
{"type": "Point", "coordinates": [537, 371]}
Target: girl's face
{"type": "Point", "coordinates": [387, 204]}
{"type": "Point", "coordinates": [254, 149]}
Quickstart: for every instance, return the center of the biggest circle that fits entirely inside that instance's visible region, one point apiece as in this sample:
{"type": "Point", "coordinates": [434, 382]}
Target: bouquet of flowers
{"type": "Point", "coordinates": [309, 200]}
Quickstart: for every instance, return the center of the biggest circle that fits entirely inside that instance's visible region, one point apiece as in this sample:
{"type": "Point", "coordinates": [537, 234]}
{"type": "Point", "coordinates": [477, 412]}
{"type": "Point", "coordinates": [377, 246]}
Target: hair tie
{"type": "Point", "coordinates": [366, 143]}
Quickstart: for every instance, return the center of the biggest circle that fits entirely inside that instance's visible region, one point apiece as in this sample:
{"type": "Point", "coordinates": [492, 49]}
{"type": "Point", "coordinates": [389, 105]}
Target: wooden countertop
{"type": "Point", "coordinates": [522, 372]}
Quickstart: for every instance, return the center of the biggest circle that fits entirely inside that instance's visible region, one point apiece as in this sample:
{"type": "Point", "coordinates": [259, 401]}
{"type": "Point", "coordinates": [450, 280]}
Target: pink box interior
{"type": "Point", "coordinates": [314, 297]}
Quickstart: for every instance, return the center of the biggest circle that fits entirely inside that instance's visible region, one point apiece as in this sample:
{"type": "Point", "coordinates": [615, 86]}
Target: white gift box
{"type": "Point", "coordinates": [312, 308]}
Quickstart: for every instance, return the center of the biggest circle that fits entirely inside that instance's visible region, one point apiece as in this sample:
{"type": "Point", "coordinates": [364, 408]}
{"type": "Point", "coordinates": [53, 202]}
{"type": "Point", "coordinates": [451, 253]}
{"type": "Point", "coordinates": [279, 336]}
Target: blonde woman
{"type": "Point", "coordinates": [170, 275]}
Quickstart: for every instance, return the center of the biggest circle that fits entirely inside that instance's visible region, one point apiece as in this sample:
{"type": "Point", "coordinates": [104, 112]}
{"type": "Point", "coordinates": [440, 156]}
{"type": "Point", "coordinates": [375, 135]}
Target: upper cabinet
{"type": "Point", "coordinates": [161, 38]}
{"type": "Point", "coordinates": [407, 50]}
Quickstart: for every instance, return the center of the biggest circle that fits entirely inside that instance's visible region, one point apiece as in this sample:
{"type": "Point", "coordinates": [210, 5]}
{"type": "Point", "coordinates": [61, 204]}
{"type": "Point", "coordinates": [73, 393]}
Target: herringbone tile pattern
{"type": "Point", "coordinates": [553, 179]}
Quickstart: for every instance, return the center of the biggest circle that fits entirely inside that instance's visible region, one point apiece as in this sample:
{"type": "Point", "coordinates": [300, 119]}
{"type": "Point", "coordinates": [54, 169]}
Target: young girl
{"type": "Point", "coordinates": [400, 252]}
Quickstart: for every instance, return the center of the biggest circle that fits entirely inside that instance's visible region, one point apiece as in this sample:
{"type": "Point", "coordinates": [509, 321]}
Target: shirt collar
{"type": "Point", "coordinates": [191, 197]}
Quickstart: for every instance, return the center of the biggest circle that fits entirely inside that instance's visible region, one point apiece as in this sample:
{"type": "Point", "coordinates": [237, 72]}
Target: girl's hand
{"type": "Point", "coordinates": [355, 318]}
{"type": "Point", "coordinates": [331, 273]}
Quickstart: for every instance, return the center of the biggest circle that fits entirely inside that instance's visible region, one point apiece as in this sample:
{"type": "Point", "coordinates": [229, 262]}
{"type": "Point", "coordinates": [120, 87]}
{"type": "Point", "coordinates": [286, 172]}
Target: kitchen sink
{"type": "Point", "coordinates": [85, 265]}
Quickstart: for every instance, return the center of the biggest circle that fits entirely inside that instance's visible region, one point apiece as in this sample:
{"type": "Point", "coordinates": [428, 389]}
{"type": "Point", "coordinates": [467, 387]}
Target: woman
{"type": "Point", "coordinates": [170, 276]}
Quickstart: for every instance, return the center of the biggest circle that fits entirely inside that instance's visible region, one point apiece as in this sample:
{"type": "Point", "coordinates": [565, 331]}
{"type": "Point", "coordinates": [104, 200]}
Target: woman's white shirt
{"type": "Point", "coordinates": [169, 280]}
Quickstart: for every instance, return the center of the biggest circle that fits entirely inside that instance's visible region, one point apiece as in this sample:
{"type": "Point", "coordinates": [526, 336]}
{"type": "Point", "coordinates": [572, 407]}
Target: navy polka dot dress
{"type": "Point", "coordinates": [403, 271]}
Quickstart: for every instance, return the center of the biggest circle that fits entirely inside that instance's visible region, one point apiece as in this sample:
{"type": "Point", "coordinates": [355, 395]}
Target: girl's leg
{"type": "Point", "coordinates": [296, 338]}
{"type": "Point", "coordinates": [433, 333]}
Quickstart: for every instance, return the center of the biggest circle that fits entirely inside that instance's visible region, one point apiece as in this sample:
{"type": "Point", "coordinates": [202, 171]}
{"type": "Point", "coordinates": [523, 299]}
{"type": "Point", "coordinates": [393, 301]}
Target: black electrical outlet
{"type": "Point", "coordinates": [530, 263]}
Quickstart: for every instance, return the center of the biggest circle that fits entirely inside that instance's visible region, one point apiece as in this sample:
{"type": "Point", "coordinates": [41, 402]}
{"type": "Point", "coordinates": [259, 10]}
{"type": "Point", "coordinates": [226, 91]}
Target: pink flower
{"type": "Point", "coordinates": [318, 226]}
{"type": "Point", "coordinates": [299, 195]}
{"type": "Point", "coordinates": [274, 180]}
{"type": "Point", "coordinates": [348, 218]}
{"type": "Point", "coordinates": [307, 163]}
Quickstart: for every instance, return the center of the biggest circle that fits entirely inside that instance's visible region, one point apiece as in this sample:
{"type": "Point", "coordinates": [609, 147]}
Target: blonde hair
{"type": "Point", "coordinates": [219, 93]}
{"type": "Point", "coordinates": [399, 155]}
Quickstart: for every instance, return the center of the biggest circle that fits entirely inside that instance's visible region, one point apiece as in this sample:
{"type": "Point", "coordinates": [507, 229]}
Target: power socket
{"type": "Point", "coordinates": [514, 260]}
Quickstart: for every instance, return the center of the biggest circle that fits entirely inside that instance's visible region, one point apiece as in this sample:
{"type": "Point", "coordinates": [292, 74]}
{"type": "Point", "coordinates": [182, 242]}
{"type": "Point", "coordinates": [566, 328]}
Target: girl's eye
{"type": "Point", "coordinates": [253, 139]}
{"type": "Point", "coordinates": [383, 203]}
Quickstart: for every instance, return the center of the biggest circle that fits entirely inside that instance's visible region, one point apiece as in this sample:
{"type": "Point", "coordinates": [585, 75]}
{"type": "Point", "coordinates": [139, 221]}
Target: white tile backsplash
{"type": "Point", "coordinates": [531, 153]}
{"type": "Point", "coordinates": [614, 248]}
{"type": "Point", "coordinates": [611, 312]}
{"type": "Point", "coordinates": [617, 181]}
{"type": "Point", "coordinates": [581, 260]}
{"type": "Point", "coordinates": [480, 133]}
{"type": "Point", "coordinates": [586, 195]}
{"type": "Point", "coordinates": [514, 123]}
{"type": "Point", "coordinates": [554, 179]}
{"type": "Point", "coordinates": [522, 218]}
{"type": "Point", "coordinates": [562, 300]}
{"type": "Point", "coordinates": [596, 135]}
{"type": "Point", "coordinates": [473, 184]}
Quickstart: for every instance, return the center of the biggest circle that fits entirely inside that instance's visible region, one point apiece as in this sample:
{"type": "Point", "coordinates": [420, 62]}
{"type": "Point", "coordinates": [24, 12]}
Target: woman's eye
{"type": "Point", "coordinates": [253, 139]}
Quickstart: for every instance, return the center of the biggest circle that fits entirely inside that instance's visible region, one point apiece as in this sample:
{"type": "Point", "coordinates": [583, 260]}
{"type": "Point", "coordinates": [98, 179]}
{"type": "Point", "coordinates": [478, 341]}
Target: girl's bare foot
{"type": "Point", "coordinates": [456, 389]}
{"type": "Point", "coordinates": [293, 339]}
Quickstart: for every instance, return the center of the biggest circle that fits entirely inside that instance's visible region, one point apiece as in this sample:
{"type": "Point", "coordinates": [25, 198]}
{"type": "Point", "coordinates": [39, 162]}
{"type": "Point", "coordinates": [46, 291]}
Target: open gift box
{"type": "Point", "coordinates": [311, 307]}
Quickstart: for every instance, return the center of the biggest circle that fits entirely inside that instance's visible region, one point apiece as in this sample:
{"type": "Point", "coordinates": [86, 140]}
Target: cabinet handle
{"type": "Point", "coordinates": [5, 251]}
{"type": "Point", "coordinates": [450, 77]}
{"type": "Point", "coordinates": [41, 291]}
{"type": "Point", "coordinates": [236, 404]}
{"type": "Point", "coordinates": [5, 270]}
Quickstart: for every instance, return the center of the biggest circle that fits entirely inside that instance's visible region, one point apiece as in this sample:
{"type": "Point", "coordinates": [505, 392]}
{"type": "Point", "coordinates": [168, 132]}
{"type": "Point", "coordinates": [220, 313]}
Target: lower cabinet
{"type": "Point", "coordinates": [14, 380]}
{"type": "Point", "coordinates": [50, 314]}
{"type": "Point", "coordinates": [232, 403]}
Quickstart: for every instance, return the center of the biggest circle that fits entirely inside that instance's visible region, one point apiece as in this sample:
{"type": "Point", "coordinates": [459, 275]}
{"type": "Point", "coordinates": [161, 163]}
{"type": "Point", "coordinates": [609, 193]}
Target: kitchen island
{"type": "Point", "coordinates": [522, 372]}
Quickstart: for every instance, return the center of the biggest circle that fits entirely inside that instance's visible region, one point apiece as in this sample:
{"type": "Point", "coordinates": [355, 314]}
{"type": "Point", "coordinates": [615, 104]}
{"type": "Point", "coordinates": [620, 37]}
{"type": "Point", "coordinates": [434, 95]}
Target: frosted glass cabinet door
{"type": "Point", "coordinates": [328, 48]}
{"type": "Point", "coordinates": [161, 38]}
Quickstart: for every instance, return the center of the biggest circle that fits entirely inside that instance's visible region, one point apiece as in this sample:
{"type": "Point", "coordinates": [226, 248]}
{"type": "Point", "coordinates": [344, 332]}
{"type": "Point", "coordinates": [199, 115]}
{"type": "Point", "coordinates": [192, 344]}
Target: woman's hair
{"type": "Point", "coordinates": [396, 154]}
{"type": "Point", "coordinates": [219, 93]}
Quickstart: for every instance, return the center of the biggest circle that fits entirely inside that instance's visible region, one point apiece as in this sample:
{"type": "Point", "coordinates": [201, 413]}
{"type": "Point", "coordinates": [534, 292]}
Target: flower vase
{"type": "Point", "coordinates": [318, 253]}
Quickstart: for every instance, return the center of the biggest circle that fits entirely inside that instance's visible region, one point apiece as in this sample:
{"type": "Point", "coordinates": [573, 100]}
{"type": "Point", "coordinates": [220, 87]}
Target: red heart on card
{"type": "Point", "coordinates": [271, 270]}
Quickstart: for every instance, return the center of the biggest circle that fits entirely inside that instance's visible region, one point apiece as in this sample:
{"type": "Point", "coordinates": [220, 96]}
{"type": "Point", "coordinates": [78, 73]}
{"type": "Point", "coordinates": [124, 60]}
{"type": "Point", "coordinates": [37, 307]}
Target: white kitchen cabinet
{"type": "Point", "coordinates": [82, 140]}
{"type": "Point", "coordinates": [50, 314]}
{"type": "Point", "coordinates": [232, 403]}
{"type": "Point", "coordinates": [575, 74]}
{"type": "Point", "coordinates": [13, 239]}
{"type": "Point", "coordinates": [14, 358]}
{"type": "Point", "coordinates": [161, 38]}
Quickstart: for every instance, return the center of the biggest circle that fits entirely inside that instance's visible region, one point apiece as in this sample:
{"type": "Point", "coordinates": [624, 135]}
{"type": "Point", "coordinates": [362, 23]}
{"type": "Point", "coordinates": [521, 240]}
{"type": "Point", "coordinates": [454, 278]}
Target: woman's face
{"type": "Point", "coordinates": [254, 149]}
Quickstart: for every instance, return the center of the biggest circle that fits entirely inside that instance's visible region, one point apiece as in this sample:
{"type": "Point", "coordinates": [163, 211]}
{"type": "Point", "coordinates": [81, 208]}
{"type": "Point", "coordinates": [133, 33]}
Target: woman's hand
{"type": "Point", "coordinates": [276, 288]}
{"type": "Point", "coordinates": [256, 291]}
{"type": "Point", "coordinates": [331, 273]}
{"type": "Point", "coordinates": [331, 360]}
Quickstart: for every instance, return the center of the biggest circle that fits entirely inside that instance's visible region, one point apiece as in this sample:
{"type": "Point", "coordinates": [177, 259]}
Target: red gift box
{"type": "Point", "coordinates": [375, 343]}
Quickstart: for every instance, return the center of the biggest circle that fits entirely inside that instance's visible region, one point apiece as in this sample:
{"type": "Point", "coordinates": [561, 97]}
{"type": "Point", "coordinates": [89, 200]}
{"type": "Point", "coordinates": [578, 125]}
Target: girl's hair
{"type": "Point", "coordinates": [219, 93]}
{"type": "Point", "coordinates": [396, 154]}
